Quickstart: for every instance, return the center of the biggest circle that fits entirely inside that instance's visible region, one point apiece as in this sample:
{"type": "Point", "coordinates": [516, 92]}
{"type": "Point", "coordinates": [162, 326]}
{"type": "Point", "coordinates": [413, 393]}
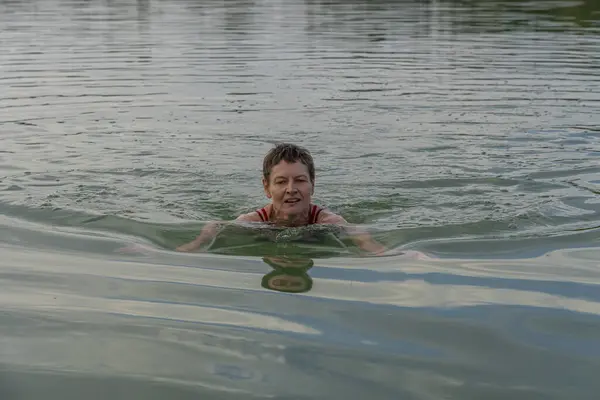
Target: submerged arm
{"type": "Point", "coordinates": [359, 236]}
{"type": "Point", "coordinates": [211, 230]}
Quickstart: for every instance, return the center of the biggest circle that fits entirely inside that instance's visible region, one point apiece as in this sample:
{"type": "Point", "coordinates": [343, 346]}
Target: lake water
{"type": "Point", "coordinates": [468, 130]}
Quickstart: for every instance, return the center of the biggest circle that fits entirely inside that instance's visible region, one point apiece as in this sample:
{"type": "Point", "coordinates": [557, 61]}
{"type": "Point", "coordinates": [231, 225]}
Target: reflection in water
{"type": "Point", "coordinates": [289, 274]}
{"type": "Point", "coordinates": [461, 16]}
{"type": "Point", "coordinates": [580, 13]}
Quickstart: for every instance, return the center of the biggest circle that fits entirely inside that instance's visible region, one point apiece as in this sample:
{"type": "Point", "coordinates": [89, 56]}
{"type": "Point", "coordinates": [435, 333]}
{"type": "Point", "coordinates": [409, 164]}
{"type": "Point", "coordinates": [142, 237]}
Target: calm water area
{"type": "Point", "coordinates": [467, 130]}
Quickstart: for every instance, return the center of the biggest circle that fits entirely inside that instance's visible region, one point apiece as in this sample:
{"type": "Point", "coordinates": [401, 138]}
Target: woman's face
{"type": "Point", "coordinates": [290, 189]}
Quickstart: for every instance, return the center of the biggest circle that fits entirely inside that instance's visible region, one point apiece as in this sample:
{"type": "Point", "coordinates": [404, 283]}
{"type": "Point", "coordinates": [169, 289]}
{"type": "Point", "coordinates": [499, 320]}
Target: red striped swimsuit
{"type": "Point", "coordinates": [312, 219]}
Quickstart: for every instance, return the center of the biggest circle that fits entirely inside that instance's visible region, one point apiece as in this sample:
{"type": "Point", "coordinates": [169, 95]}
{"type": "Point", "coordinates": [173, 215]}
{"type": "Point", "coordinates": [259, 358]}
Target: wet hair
{"type": "Point", "coordinates": [290, 153]}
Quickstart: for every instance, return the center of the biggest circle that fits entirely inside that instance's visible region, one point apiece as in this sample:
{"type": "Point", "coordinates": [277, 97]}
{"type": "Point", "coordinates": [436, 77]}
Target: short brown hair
{"type": "Point", "coordinates": [290, 153]}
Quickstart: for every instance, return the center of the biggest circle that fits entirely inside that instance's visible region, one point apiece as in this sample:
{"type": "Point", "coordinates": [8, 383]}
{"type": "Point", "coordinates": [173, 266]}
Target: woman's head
{"type": "Point", "coordinates": [288, 180]}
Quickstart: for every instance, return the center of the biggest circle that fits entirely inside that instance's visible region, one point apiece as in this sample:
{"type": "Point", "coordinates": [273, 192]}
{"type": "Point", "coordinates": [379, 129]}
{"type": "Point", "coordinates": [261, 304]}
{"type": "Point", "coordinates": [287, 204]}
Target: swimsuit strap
{"type": "Point", "coordinates": [262, 213]}
{"type": "Point", "coordinates": [314, 214]}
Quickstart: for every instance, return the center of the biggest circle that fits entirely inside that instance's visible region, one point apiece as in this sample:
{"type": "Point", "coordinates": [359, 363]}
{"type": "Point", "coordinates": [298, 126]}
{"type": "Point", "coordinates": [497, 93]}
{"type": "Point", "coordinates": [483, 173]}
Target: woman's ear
{"type": "Point", "coordinates": [266, 187]}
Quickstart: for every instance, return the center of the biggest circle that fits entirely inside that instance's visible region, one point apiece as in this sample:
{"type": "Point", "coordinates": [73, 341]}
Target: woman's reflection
{"type": "Point", "coordinates": [289, 274]}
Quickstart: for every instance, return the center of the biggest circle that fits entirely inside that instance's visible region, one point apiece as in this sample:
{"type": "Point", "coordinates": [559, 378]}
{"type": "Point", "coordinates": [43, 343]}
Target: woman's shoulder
{"type": "Point", "coordinates": [258, 215]}
{"type": "Point", "coordinates": [250, 217]}
{"type": "Point", "coordinates": [326, 216]}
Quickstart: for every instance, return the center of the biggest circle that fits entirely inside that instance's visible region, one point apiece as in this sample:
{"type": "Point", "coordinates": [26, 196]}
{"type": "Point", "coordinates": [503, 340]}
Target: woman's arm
{"type": "Point", "coordinates": [359, 236]}
{"type": "Point", "coordinates": [211, 230]}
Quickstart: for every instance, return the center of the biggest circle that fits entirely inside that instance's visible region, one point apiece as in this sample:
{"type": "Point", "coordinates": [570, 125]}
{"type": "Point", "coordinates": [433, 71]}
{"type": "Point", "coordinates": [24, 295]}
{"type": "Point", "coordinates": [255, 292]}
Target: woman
{"type": "Point", "coordinates": [289, 182]}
